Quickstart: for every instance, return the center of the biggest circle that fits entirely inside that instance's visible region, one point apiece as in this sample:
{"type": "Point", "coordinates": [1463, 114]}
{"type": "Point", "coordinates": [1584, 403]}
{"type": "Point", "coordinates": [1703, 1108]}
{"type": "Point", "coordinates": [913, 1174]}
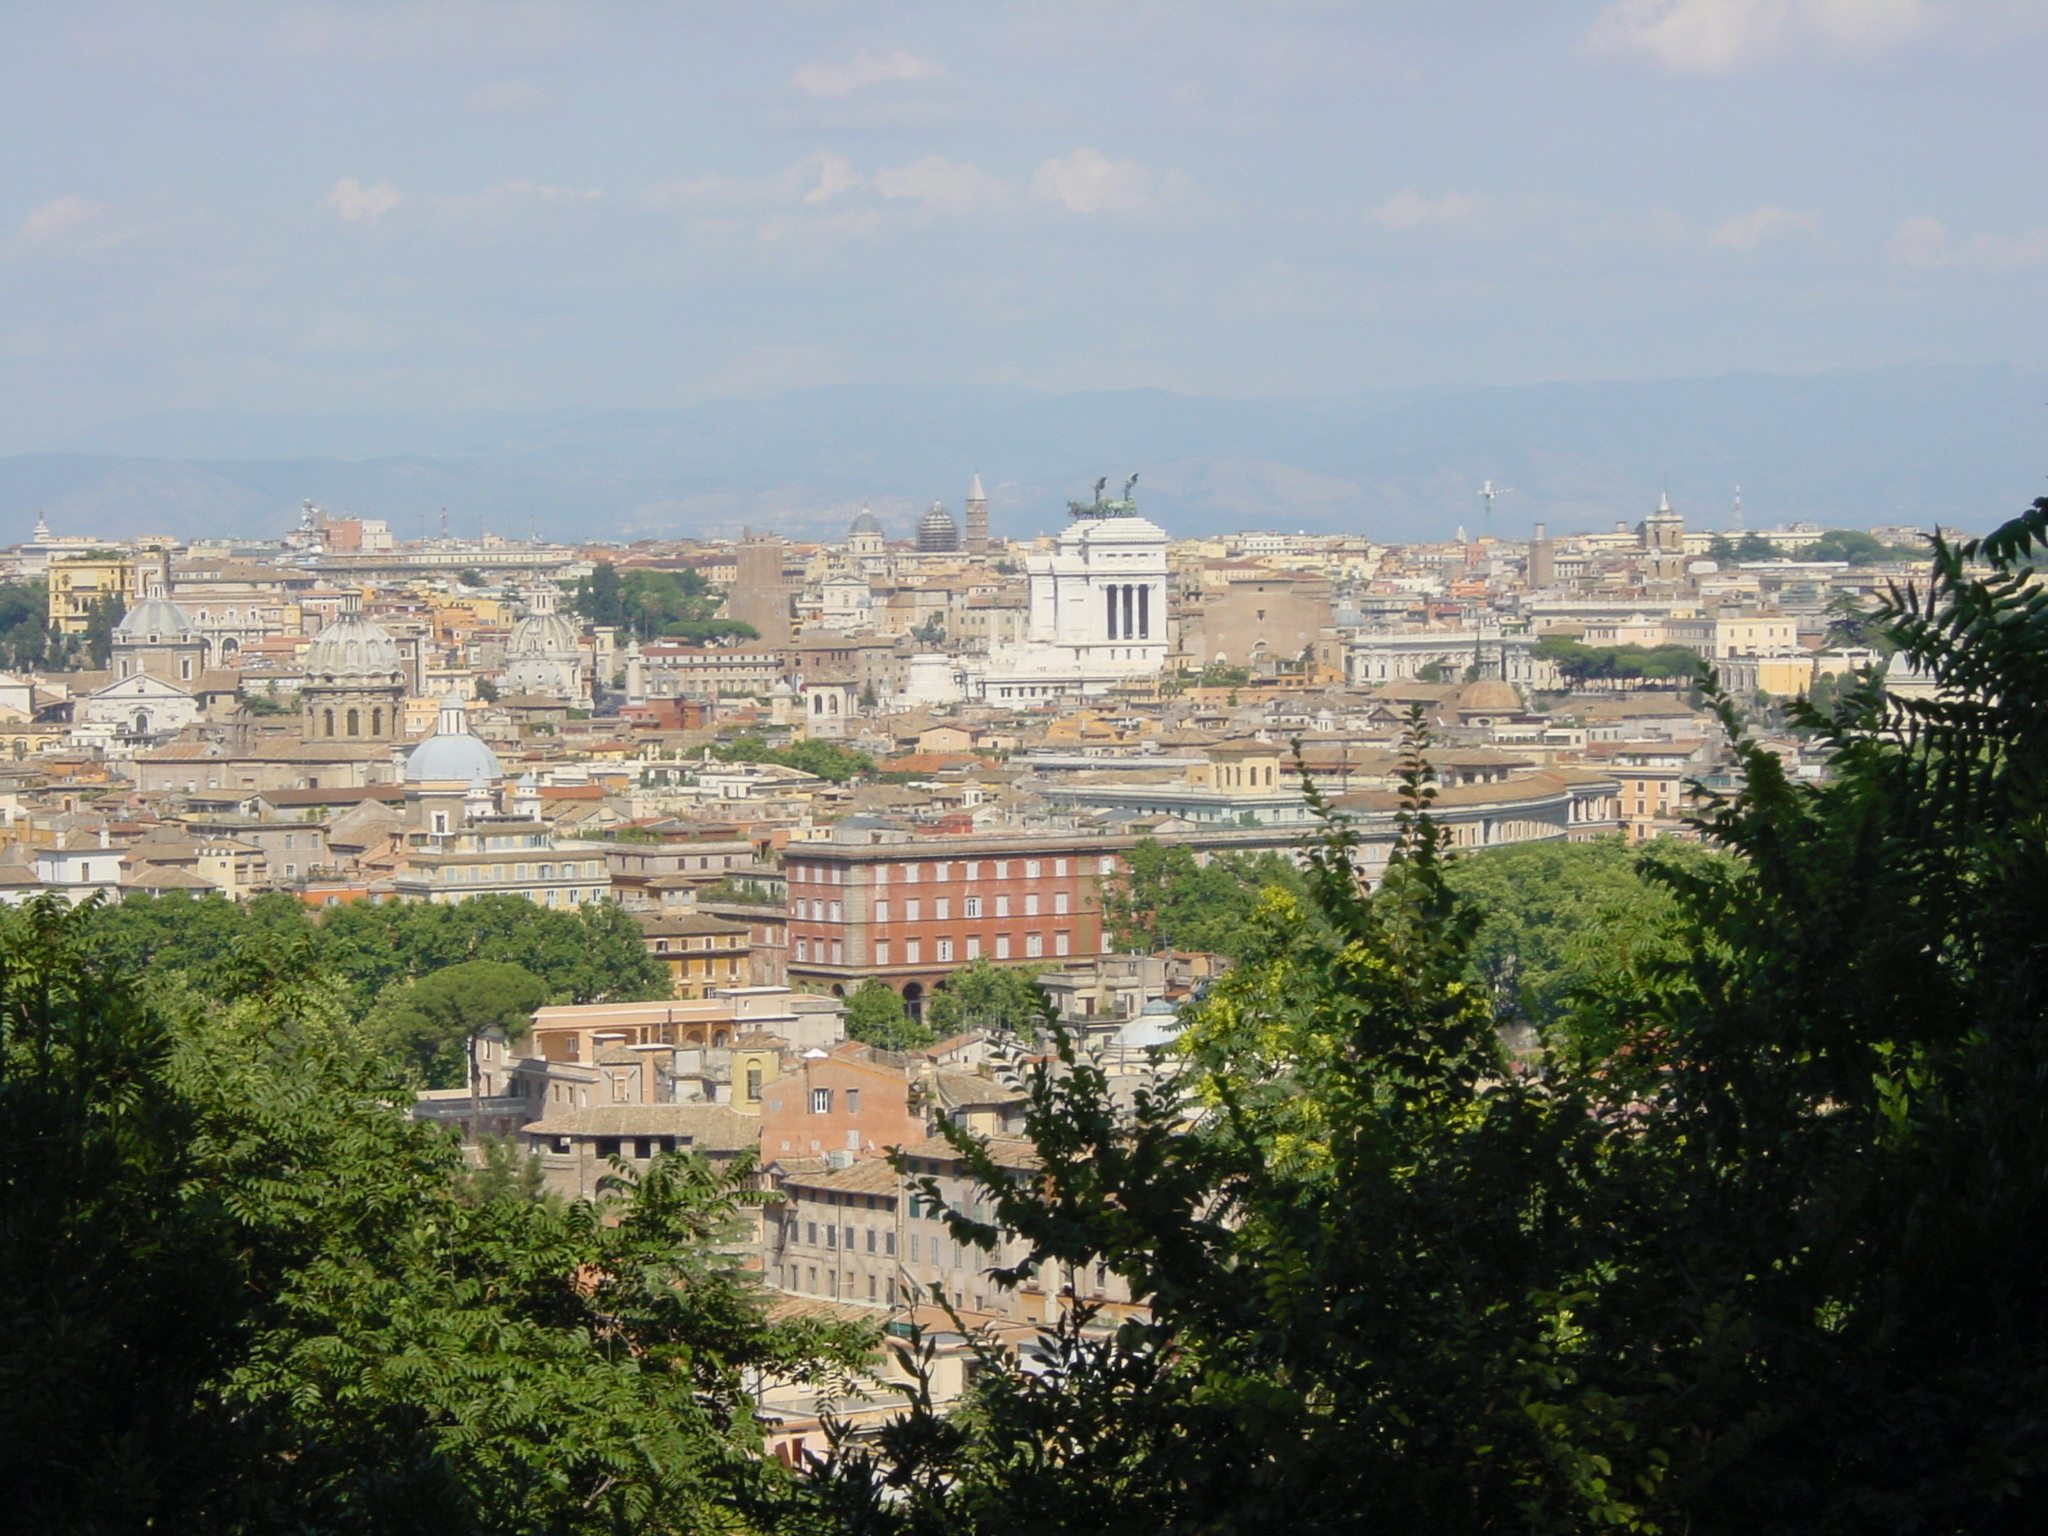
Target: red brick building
{"type": "Point", "coordinates": [910, 912]}
{"type": "Point", "coordinates": [850, 1100]}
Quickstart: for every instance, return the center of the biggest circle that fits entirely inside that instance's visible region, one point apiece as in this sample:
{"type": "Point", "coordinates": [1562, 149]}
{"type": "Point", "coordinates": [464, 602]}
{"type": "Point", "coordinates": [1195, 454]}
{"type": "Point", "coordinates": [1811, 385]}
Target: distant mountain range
{"type": "Point", "coordinates": [1917, 444]}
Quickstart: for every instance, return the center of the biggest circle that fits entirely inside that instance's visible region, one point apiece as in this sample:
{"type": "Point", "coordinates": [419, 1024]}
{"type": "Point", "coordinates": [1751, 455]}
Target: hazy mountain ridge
{"type": "Point", "coordinates": [1912, 443]}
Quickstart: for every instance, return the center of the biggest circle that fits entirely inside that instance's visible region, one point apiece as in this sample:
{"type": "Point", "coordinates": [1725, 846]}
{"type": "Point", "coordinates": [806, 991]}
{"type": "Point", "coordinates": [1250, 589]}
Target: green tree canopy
{"type": "Point", "coordinates": [875, 1015]}
{"type": "Point", "coordinates": [645, 602]}
{"type": "Point", "coordinates": [983, 995]}
{"type": "Point", "coordinates": [429, 1023]}
{"type": "Point", "coordinates": [1559, 921]}
{"type": "Point", "coordinates": [1586, 663]}
{"type": "Point", "coordinates": [1164, 898]}
{"type": "Point", "coordinates": [823, 758]}
{"type": "Point", "coordinates": [587, 954]}
{"type": "Point", "coordinates": [250, 1295]}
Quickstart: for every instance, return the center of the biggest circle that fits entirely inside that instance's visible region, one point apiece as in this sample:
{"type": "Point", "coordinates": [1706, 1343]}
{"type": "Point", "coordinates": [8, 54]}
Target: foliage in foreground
{"type": "Point", "coordinates": [247, 1294]}
{"type": "Point", "coordinates": [1779, 1264]}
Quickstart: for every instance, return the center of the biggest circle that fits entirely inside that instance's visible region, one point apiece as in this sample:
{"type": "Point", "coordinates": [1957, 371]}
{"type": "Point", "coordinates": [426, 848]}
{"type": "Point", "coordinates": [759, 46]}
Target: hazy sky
{"type": "Point", "coordinates": [515, 203]}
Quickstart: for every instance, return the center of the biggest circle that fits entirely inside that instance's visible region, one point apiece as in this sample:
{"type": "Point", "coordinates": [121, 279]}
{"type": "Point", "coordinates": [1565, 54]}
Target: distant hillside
{"type": "Point", "coordinates": [1918, 444]}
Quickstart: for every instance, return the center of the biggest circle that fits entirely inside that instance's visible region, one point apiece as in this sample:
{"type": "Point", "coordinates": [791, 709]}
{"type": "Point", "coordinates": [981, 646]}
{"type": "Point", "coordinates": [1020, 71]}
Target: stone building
{"type": "Point", "coordinates": [355, 682]}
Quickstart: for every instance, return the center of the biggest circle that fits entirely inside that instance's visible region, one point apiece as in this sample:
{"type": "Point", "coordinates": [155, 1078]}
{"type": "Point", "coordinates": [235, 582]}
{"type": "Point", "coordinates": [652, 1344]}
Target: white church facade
{"type": "Point", "coordinates": [1098, 610]}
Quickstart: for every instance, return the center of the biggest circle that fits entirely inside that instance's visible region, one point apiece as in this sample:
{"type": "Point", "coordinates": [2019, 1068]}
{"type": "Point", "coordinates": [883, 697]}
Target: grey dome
{"type": "Point", "coordinates": [867, 522]}
{"type": "Point", "coordinates": [453, 754]}
{"type": "Point", "coordinates": [542, 634]}
{"type": "Point", "coordinates": [156, 619]}
{"type": "Point", "coordinates": [352, 646]}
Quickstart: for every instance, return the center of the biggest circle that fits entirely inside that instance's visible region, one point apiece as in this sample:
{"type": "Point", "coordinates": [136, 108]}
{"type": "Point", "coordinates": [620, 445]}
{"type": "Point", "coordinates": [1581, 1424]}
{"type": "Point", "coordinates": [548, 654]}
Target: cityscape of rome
{"type": "Point", "coordinates": [1057, 768]}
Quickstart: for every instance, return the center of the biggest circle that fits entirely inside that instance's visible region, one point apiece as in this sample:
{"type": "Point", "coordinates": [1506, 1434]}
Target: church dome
{"type": "Point", "coordinates": [352, 646]}
{"type": "Point", "coordinates": [453, 754]}
{"type": "Point", "coordinates": [155, 620]}
{"type": "Point", "coordinates": [937, 533]}
{"type": "Point", "coordinates": [866, 523]}
{"type": "Point", "coordinates": [542, 634]}
{"type": "Point", "coordinates": [1489, 693]}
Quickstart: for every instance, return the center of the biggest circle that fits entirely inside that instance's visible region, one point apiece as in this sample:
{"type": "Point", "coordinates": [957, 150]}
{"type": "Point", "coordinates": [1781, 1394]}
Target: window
{"type": "Point", "coordinates": [914, 1246]}
{"type": "Point", "coordinates": [1034, 945]}
{"type": "Point", "coordinates": [1002, 946]}
{"type": "Point", "coordinates": [910, 874]}
{"type": "Point", "coordinates": [836, 913]}
{"type": "Point", "coordinates": [945, 949]}
{"type": "Point", "coordinates": [852, 1100]}
{"type": "Point", "coordinates": [1032, 868]}
{"type": "Point", "coordinates": [839, 952]}
{"type": "Point", "coordinates": [913, 910]}
{"type": "Point", "coordinates": [803, 949]}
{"type": "Point", "coordinates": [821, 1101]}
{"type": "Point", "coordinates": [974, 948]}
{"type": "Point", "coordinates": [1059, 903]}
{"type": "Point", "coordinates": [1062, 943]}
{"type": "Point", "coordinates": [971, 906]}
{"type": "Point", "coordinates": [1059, 868]}
{"type": "Point", "coordinates": [913, 952]}
{"type": "Point", "coordinates": [849, 1239]}
{"type": "Point", "coordinates": [882, 910]}
{"type": "Point", "coordinates": [753, 1085]}
{"type": "Point", "coordinates": [1031, 904]}
{"type": "Point", "coordinates": [942, 908]}
{"type": "Point", "coordinates": [831, 1237]}
{"type": "Point", "coordinates": [889, 1244]}
{"type": "Point", "coordinates": [871, 1287]}
{"type": "Point", "coordinates": [1002, 906]}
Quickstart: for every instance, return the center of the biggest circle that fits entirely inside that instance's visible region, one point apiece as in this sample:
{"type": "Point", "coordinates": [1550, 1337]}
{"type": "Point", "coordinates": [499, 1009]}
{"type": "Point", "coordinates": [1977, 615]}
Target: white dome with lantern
{"type": "Point", "coordinates": [453, 754]}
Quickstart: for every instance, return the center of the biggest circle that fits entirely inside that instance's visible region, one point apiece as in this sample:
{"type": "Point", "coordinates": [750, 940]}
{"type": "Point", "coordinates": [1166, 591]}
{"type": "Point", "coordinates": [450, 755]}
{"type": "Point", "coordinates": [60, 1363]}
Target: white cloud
{"type": "Point", "coordinates": [1747, 231]}
{"type": "Point", "coordinates": [353, 201]}
{"type": "Point", "coordinates": [57, 219]}
{"type": "Point", "coordinates": [1711, 37]}
{"type": "Point", "coordinates": [1088, 181]}
{"type": "Point", "coordinates": [862, 70]}
{"type": "Point", "coordinates": [1411, 210]}
{"type": "Point", "coordinates": [507, 96]}
{"type": "Point", "coordinates": [834, 175]}
{"type": "Point", "coordinates": [949, 185]}
{"type": "Point", "coordinates": [1925, 242]}
{"type": "Point", "coordinates": [811, 182]}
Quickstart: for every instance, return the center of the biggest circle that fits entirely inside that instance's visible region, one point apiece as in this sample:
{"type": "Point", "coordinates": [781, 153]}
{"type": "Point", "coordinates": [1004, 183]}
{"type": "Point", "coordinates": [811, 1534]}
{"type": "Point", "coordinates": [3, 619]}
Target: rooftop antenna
{"type": "Point", "coordinates": [1488, 495]}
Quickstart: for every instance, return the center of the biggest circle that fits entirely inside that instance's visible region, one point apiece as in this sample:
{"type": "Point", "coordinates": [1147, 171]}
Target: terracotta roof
{"type": "Point", "coordinates": [869, 1176]}
{"type": "Point", "coordinates": [710, 1127]}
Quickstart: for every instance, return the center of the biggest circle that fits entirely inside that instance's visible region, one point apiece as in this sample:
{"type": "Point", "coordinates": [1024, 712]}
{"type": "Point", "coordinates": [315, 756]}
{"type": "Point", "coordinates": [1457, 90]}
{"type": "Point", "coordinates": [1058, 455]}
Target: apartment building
{"type": "Point", "coordinates": [870, 1236]}
{"type": "Point", "coordinates": [911, 911]}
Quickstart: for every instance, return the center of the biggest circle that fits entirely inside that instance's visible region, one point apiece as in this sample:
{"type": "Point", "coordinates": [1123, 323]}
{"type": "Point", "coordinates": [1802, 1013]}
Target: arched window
{"type": "Point", "coordinates": [330, 722]}
{"type": "Point", "coordinates": [377, 722]}
{"type": "Point", "coordinates": [355, 722]}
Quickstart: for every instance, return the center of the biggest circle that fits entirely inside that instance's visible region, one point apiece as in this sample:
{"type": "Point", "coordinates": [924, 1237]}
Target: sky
{"type": "Point", "coordinates": [522, 204]}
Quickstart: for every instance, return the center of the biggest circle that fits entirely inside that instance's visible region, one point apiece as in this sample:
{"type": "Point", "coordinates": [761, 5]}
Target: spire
{"type": "Point", "coordinates": [974, 491]}
{"type": "Point", "coordinates": [1663, 501]}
